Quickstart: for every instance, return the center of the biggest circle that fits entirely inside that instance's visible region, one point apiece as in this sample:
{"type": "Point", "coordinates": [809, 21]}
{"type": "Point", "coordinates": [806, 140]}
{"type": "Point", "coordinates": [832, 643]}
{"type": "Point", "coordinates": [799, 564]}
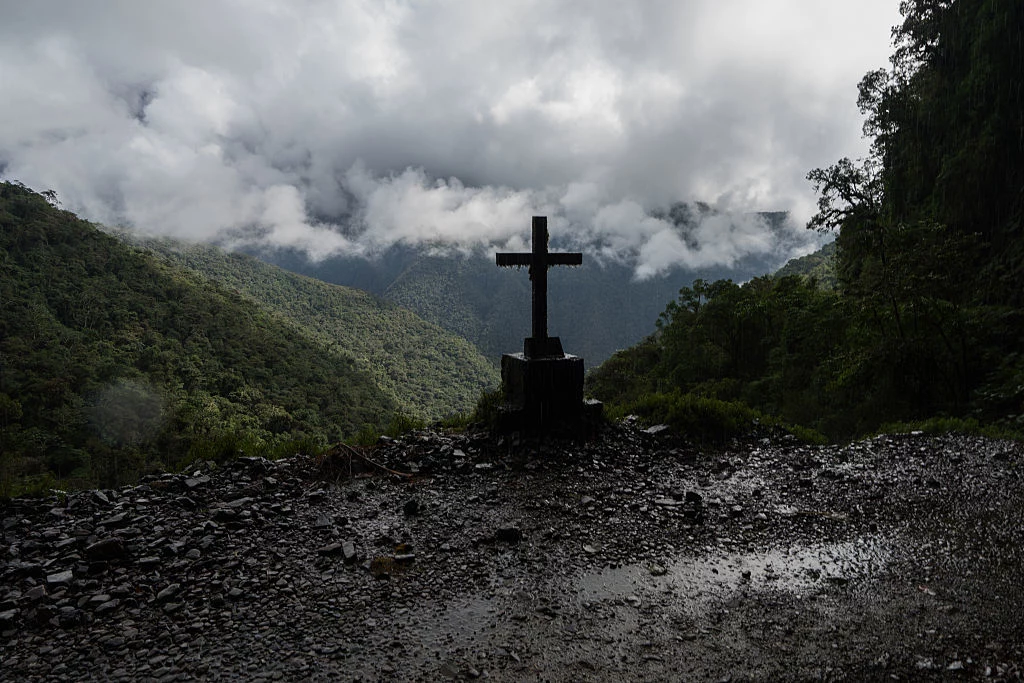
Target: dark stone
{"type": "Point", "coordinates": [348, 550]}
{"type": "Point", "coordinates": [509, 534]}
{"type": "Point", "coordinates": [107, 550]}
{"type": "Point", "coordinates": [35, 593]}
{"type": "Point", "coordinates": [168, 592]}
{"type": "Point", "coordinates": [224, 515]}
{"type": "Point", "coordinates": [331, 550]}
{"type": "Point", "coordinates": [114, 521]}
{"type": "Point", "coordinates": [151, 562]}
{"type": "Point", "coordinates": [59, 578]}
{"type": "Point", "coordinates": [70, 616]}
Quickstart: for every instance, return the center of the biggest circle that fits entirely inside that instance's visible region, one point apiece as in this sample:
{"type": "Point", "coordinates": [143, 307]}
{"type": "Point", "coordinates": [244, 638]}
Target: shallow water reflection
{"type": "Point", "coordinates": [797, 569]}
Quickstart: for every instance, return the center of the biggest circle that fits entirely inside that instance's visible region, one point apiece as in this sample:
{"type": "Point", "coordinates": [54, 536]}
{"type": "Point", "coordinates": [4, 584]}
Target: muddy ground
{"type": "Point", "coordinates": [636, 556]}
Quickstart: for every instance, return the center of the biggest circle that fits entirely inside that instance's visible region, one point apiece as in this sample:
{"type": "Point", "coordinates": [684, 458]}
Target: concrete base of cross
{"type": "Point", "coordinates": [544, 394]}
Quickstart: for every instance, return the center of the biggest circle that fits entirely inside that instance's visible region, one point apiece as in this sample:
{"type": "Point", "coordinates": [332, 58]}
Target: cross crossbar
{"type": "Point", "coordinates": [539, 260]}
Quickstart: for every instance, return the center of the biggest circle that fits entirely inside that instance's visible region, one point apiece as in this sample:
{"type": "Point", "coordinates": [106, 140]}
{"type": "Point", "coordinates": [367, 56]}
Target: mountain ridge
{"type": "Point", "coordinates": [426, 381]}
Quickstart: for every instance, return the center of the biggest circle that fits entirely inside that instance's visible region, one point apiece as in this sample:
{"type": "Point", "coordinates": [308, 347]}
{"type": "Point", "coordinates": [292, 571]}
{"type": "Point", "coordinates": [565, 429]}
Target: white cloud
{"type": "Point", "coordinates": [326, 125]}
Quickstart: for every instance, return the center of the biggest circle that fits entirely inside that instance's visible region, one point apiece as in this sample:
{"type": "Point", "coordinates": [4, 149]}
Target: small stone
{"type": "Point", "coordinates": [106, 550]}
{"type": "Point", "coordinates": [331, 549]}
{"type": "Point", "coordinates": [168, 592]}
{"type": "Point", "coordinates": [108, 606]}
{"type": "Point", "coordinates": [348, 551]}
{"type": "Point", "coordinates": [7, 618]}
{"type": "Point", "coordinates": [35, 593]}
{"type": "Point", "coordinates": [60, 578]}
{"type": "Point", "coordinates": [150, 562]}
{"type": "Point", "coordinates": [224, 515]}
{"type": "Point", "coordinates": [657, 570]}
{"type": "Point", "coordinates": [114, 521]}
{"type": "Point", "coordinates": [69, 616]}
{"type": "Point", "coordinates": [235, 593]}
{"type": "Point", "coordinates": [587, 548]}
{"type": "Point", "coordinates": [509, 534]}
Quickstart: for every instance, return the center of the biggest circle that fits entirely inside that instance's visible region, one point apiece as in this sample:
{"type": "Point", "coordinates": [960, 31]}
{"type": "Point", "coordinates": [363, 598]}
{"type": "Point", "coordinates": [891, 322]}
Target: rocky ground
{"type": "Point", "coordinates": [633, 557]}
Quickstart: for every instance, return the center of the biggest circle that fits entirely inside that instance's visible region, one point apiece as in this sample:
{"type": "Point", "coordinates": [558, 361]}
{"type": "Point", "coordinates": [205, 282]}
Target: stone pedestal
{"type": "Point", "coordinates": [543, 394]}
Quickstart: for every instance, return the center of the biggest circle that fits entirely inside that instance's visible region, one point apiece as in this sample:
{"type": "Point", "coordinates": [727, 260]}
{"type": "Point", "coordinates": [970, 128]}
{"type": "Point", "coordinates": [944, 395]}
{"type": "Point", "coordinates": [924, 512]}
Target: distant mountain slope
{"type": "Point", "coordinates": [596, 309]}
{"type": "Point", "coordinates": [425, 370]}
{"type": "Point", "coordinates": [820, 265]}
{"type": "Point", "coordinates": [111, 358]}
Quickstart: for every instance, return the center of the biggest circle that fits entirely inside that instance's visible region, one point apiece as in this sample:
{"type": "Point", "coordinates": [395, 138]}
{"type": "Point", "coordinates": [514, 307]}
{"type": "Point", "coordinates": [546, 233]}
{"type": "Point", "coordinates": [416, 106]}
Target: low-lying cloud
{"type": "Point", "coordinates": [349, 127]}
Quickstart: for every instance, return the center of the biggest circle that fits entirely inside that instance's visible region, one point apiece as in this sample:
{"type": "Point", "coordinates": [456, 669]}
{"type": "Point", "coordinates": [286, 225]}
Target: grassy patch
{"type": "Point", "coordinates": [956, 425]}
{"type": "Point", "coordinates": [706, 420]}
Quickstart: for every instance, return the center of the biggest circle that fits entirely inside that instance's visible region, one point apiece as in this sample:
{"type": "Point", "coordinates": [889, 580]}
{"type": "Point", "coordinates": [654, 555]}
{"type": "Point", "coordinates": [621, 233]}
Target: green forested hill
{"type": "Point", "coordinates": [112, 359]}
{"type": "Point", "coordinates": [425, 370]}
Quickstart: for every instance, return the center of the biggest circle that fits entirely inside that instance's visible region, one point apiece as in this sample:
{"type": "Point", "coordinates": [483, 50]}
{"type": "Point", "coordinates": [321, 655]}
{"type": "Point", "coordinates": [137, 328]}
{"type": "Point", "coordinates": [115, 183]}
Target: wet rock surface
{"type": "Point", "coordinates": [433, 557]}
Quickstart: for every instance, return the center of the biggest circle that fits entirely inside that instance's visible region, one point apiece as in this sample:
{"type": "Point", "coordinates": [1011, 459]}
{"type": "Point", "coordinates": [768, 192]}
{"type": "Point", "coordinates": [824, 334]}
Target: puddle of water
{"type": "Point", "coordinates": [797, 569]}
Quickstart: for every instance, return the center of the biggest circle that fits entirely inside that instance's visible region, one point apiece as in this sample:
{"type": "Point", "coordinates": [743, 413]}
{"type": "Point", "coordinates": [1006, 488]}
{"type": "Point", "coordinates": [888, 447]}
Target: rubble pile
{"type": "Point", "coordinates": [633, 556]}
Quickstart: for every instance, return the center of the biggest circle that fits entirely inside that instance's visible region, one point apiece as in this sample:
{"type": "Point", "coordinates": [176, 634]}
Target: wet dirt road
{"type": "Point", "coordinates": [633, 557]}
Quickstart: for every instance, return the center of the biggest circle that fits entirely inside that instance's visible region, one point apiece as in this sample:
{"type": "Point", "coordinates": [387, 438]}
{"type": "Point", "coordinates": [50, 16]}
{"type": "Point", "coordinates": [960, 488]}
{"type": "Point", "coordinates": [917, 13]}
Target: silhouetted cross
{"type": "Point", "coordinates": [539, 260]}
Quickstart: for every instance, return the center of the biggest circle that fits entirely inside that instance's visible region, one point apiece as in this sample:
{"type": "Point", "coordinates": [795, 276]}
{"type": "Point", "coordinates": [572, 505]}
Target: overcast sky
{"type": "Point", "coordinates": [349, 125]}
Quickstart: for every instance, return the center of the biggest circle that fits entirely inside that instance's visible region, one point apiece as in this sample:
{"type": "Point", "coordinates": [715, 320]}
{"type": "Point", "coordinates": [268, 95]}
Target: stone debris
{"type": "Point", "coordinates": [620, 558]}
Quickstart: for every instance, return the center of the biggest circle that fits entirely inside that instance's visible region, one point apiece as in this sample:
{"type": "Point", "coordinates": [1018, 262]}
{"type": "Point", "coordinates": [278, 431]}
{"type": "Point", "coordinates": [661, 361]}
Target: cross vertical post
{"type": "Point", "coordinates": [539, 276]}
{"type": "Point", "coordinates": [540, 345]}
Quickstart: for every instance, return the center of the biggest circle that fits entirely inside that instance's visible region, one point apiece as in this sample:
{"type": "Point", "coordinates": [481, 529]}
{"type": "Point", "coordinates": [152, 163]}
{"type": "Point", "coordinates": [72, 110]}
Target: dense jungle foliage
{"type": "Point", "coordinates": [113, 361]}
{"type": "Point", "coordinates": [924, 320]}
{"type": "Point", "coordinates": [428, 372]}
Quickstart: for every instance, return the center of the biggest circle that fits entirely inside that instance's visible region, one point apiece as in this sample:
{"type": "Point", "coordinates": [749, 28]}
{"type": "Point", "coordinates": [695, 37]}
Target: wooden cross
{"type": "Point", "coordinates": [539, 260]}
